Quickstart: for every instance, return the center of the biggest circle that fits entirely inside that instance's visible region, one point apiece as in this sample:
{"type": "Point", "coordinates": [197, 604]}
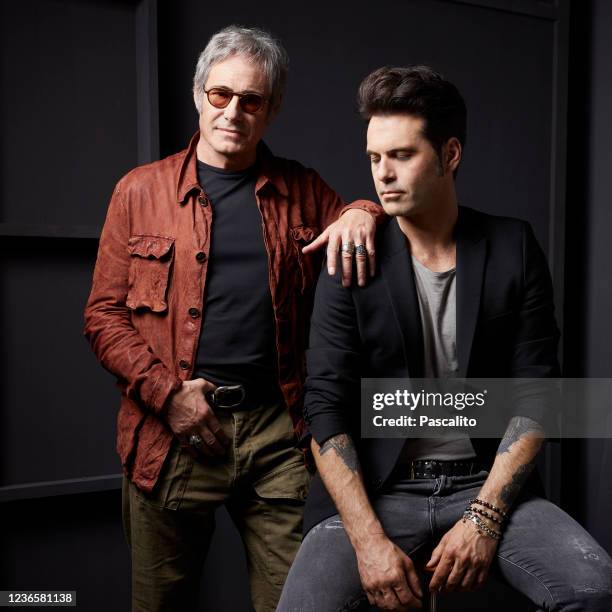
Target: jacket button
{"type": "Point", "coordinates": [184, 365]}
{"type": "Point", "coordinates": [203, 200]}
{"type": "Point", "coordinates": [194, 313]}
{"type": "Point", "coordinates": [201, 256]}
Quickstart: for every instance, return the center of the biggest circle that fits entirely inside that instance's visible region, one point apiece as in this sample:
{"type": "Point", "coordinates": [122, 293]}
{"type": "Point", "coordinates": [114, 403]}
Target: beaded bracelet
{"type": "Point", "coordinates": [489, 506]}
{"type": "Point", "coordinates": [495, 535]}
{"type": "Point", "coordinates": [488, 515]}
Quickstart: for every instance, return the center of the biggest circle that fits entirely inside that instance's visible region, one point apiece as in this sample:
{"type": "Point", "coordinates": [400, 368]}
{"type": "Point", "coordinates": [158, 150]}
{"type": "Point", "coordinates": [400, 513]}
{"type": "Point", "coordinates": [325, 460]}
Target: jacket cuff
{"type": "Point", "coordinates": [376, 210]}
{"type": "Point", "coordinates": [165, 385]}
{"type": "Point", "coordinates": [324, 429]}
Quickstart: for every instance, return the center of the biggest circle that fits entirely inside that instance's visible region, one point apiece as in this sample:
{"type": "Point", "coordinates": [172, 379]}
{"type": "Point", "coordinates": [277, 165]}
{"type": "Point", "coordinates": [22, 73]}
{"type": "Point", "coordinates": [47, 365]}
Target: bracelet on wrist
{"type": "Point", "coordinates": [486, 514]}
{"type": "Point", "coordinates": [486, 504]}
{"type": "Point", "coordinates": [480, 526]}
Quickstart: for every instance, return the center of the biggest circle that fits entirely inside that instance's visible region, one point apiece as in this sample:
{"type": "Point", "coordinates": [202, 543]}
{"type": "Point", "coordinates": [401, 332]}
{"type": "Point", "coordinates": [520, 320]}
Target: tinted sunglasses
{"type": "Point", "coordinates": [249, 102]}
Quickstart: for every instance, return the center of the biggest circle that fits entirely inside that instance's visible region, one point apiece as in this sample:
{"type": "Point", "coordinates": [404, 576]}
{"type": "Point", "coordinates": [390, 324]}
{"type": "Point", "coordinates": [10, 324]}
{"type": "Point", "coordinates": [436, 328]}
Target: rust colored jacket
{"type": "Point", "coordinates": [146, 304]}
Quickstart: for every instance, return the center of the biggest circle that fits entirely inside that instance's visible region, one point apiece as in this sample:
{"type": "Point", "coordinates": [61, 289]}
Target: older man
{"type": "Point", "coordinates": [200, 305]}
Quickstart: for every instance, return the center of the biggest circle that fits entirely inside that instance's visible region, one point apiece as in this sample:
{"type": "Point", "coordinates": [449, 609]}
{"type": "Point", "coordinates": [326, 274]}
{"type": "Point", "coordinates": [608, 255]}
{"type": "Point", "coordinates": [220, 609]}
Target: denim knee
{"type": "Point", "coordinates": [598, 596]}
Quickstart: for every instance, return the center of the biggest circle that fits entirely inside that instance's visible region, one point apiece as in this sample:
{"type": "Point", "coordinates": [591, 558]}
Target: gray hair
{"type": "Point", "coordinates": [253, 43]}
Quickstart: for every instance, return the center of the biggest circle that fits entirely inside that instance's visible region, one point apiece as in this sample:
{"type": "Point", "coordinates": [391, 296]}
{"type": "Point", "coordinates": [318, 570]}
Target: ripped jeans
{"type": "Point", "coordinates": [543, 553]}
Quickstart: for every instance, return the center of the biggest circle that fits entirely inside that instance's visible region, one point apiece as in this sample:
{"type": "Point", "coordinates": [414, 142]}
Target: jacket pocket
{"type": "Point", "coordinates": [150, 265]}
{"type": "Point", "coordinates": [301, 236]}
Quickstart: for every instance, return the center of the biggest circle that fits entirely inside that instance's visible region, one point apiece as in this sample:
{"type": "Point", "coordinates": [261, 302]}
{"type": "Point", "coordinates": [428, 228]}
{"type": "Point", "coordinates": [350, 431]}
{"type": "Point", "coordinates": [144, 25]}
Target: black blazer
{"type": "Point", "coordinates": [505, 328]}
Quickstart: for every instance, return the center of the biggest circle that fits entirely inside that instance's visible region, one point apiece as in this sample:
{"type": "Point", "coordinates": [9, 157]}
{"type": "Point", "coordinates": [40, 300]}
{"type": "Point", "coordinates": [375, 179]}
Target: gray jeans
{"type": "Point", "coordinates": [544, 553]}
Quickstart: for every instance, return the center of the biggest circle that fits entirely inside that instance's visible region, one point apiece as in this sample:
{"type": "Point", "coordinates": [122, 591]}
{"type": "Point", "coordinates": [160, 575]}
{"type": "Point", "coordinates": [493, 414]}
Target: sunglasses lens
{"type": "Point", "coordinates": [251, 103]}
{"type": "Point", "coordinates": [219, 98]}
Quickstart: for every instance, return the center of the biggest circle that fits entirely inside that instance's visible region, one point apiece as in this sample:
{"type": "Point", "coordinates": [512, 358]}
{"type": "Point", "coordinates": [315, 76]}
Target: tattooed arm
{"type": "Point", "coordinates": [514, 462]}
{"type": "Point", "coordinates": [387, 573]}
{"type": "Point", "coordinates": [339, 467]}
{"type": "Point", "coordinates": [462, 559]}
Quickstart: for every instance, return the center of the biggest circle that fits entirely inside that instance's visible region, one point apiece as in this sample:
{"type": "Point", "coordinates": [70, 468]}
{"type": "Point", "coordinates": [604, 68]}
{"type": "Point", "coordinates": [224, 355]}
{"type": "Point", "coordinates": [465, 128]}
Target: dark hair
{"type": "Point", "coordinates": [418, 91]}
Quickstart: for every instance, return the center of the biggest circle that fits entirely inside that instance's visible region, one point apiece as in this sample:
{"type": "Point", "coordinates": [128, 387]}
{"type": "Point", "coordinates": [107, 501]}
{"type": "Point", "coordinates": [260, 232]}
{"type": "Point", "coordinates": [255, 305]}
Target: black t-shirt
{"type": "Point", "coordinates": [237, 340]}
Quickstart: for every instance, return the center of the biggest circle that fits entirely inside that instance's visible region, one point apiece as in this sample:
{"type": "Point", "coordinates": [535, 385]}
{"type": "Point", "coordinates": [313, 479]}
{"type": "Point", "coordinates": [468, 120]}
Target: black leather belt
{"type": "Point", "coordinates": [239, 397]}
{"type": "Point", "coordinates": [434, 468]}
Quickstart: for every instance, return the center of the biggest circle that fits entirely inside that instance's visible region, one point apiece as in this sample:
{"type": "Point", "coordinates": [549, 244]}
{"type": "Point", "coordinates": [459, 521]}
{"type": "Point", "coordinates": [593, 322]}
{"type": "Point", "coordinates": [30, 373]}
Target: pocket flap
{"type": "Point", "coordinates": [150, 263]}
{"type": "Point", "coordinates": [289, 482]}
{"type": "Point", "coordinates": [150, 246]}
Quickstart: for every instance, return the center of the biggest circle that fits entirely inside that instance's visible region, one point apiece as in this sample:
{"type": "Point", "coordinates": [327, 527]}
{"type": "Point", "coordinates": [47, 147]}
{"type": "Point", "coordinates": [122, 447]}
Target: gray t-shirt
{"type": "Point", "coordinates": [437, 304]}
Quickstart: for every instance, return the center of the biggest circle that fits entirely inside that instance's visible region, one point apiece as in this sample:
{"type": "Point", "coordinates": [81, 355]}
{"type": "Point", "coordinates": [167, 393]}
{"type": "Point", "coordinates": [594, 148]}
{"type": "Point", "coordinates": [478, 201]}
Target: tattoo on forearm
{"type": "Point", "coordinates": [510, 491]}
{"type": "Point", "coordinates": [517, 428]}
{"type": "Point", "coordinates": [345, 449]}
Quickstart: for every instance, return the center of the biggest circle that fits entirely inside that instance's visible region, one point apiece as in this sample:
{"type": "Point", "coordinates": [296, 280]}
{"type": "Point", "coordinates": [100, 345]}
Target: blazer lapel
{"type": "Point", "coordinates": [471, 256]}
{"type": "Point", "coordinates": [396, 270]}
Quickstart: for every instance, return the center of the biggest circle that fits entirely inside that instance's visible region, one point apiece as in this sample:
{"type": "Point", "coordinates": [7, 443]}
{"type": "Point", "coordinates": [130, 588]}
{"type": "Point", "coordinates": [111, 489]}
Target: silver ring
{"type": "Point", "coordinates": [360, 249]}
{"type": "Point", "coordinates": [196, 440]}
{"type": "Point", "coordinates": [348, 247]}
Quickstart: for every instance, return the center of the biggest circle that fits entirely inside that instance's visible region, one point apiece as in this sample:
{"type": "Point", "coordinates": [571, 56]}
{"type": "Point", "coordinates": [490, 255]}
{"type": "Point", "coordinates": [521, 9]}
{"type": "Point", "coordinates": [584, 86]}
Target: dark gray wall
{"type": "Point", "coordinates": [596, 496]}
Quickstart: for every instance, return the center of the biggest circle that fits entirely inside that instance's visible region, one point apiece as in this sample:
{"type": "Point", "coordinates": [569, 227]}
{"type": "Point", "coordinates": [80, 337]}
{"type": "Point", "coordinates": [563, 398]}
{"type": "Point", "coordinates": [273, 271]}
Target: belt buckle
{"type": "Point", "coordinates": [228, 396]}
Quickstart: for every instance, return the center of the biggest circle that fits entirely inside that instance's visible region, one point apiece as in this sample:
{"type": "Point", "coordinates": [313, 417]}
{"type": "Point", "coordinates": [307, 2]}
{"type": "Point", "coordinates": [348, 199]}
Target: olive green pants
{"type": "Point", "coordinates": [263, 483]}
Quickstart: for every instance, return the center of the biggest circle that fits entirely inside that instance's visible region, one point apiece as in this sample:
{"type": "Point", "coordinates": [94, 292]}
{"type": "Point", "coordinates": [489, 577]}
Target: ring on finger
{"type": "Point", "coordinates": [196, 440]}
{"type": "Point", "coordinates": [348, 247]}
{"type": "Point", "coordinates": [360, 250]}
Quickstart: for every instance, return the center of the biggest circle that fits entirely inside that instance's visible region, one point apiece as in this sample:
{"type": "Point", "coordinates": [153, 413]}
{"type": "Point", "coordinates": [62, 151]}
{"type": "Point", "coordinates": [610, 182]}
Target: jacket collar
{"type": "Point", "coordinates": [187, 179]}
{"type": "Point", "coordinates": [398, 274]}
{"type": "Point", "coordinates": [471, 257]}
{"type": "Point", "coordinates": [396, 270]}
{"type": "Point", "coordinates": [270, 172]}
